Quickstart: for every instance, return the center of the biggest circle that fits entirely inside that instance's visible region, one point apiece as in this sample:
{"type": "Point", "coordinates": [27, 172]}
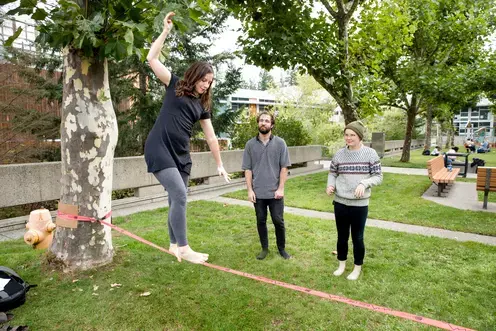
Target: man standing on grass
{"type": "Point", "coordinates": [266, 162]}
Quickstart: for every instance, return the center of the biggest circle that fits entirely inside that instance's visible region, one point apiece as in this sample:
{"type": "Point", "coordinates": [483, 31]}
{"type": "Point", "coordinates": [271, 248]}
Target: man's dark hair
{"type": "Point", "coordinates": [272, 118]}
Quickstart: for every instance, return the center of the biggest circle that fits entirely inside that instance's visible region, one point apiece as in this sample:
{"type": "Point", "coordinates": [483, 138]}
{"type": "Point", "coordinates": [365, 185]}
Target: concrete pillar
{"type": "Point", "coordinates": [379, 142]}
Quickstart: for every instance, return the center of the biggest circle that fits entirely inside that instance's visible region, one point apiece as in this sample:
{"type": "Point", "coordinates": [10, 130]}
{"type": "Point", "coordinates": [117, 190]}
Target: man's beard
{"type": "Point", "coordinates": [263, 130]}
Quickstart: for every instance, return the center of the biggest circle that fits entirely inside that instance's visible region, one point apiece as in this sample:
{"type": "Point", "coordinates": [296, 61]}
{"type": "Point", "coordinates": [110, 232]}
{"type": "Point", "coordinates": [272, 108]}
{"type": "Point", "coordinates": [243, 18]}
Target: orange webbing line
{"type": "Point", "coordinates": [320, 294]}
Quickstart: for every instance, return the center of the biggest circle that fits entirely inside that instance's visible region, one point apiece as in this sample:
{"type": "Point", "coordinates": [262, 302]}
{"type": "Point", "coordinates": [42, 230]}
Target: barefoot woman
{"type": "Point", "coordinates": [167, 154]}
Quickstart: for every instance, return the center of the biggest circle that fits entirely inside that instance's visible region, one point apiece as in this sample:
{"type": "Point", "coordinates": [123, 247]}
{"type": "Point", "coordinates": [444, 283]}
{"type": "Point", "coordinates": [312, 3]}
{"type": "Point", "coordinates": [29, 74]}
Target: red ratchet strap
{"type": "Point", "coordinates": [323, 295]}
{"type": "Point", "coordinates": [82, 218]}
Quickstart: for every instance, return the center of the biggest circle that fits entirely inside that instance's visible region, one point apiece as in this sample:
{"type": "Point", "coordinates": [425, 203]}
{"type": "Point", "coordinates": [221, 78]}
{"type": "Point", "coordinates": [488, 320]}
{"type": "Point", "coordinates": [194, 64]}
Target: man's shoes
{"type": "Point", "coordinates": [263, 254]}
{"type": "Point", "coordinates": [284, 254]}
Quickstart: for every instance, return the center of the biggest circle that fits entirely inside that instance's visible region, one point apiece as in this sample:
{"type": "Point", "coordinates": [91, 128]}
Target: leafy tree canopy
{"type": "Point", "coordinates": [106, 29]}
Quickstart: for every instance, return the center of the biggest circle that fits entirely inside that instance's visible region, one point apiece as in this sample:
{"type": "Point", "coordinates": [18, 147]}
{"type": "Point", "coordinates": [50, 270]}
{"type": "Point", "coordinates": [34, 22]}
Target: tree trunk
{"type": "Point", "coordinates": [88, 140]}
{"type": "Point", "coordinates": [452, 136]}
{"type": "Point", "coordinates": [410, 123]}
{"type": "Point", "coordinates": [348, 107]}
{"type": "Point", "coordinates": [448, 137]}
{"type": "Point", "coordinates": [428, 127]}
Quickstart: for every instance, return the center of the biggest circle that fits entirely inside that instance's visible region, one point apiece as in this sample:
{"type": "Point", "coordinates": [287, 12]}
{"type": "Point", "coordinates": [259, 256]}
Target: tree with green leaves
{"type": "Point", "coordinates": [89, 33]}
{"type": "Point", "coordinates": [290, 129]}
{"type": "Point", "coordinates": [292, 78]}
{"type": "Point", "coordinates": [36, 83]}
{"type": "Point", "coordinates": [313, 106]}
{"type": "Point", "coordinates": [431, 38]}
{"type": "Point", "coordinates": [266, 81]}
{"type": "Point", "coordinates": [313, 35]}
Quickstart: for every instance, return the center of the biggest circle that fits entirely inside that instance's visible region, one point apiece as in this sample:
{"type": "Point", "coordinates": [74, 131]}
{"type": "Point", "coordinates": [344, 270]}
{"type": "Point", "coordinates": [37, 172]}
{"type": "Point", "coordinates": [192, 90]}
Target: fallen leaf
{"type": "Point", "coordinates": [95, 294]}
{"type": "Point", "coordinates": [115, 285]}
{"type": "Point", "coordinates": [95, 287]}
{"type": "Point", "coordinates": [75, 280]}
{"type": "Point", "coordinates": [145, 294]}
{"type": "Point", "coordinates": [335, 252]}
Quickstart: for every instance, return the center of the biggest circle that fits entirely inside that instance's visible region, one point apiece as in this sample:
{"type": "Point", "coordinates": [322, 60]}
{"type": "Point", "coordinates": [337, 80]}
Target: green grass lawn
{"type": "Point", "coordinates": [437, 278]}
{"type": "Point", "coordinates": [398, 198]}
{"type": "Point", "coordinates": [417, 160]}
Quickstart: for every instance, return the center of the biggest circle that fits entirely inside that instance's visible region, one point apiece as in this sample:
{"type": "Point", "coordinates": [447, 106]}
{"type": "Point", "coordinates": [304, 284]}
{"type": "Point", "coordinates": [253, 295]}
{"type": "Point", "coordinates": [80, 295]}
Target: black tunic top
{"type": "Point", "coordinates": [167, 145]}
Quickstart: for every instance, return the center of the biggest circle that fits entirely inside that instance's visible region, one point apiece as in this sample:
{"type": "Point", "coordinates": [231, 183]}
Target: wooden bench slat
{"type": "Point", "coordinates": [439, 174]}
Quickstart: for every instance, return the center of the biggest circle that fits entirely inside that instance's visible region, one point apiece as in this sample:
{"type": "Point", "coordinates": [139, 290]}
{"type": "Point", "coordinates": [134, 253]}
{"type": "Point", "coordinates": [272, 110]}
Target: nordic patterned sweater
{"type": "Point", "coordinates": [348, 169]}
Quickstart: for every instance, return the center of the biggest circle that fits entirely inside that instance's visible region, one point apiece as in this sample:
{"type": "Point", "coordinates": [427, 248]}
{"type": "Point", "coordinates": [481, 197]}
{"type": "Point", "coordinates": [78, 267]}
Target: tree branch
{"type": "Point", "coordinates": [395, 106]}
{"type": "Point", "coordinates": [329, 8]}
{"type": "Point", "coordinates": [352, 9]}
{"type": "Point", "coordinates": [340, 5]}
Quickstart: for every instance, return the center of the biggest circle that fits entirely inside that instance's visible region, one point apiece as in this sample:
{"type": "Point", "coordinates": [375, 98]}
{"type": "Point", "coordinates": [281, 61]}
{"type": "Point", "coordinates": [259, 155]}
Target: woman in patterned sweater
{"type": "Point", "coordinates": [354, 170]}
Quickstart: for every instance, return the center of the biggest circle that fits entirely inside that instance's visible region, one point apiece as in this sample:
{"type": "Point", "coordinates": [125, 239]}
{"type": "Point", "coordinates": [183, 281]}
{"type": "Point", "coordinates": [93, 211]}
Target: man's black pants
{"type": "Point", "coordinates": [276, 208]}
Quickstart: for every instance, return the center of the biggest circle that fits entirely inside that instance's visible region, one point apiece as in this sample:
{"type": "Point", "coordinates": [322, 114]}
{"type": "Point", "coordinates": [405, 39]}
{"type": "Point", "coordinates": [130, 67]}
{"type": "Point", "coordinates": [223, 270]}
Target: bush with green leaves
{"type": "Point", "coordinates": [289, 129]}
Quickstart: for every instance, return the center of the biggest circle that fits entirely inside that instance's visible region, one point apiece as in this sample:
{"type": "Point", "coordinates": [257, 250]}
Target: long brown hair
{"type": "Point", "coordinates": [195, 73]}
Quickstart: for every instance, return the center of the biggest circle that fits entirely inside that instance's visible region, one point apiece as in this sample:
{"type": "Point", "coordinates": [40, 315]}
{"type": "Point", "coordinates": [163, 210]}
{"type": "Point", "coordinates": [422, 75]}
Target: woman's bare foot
{"type": "Point", "coordinates": [190, 255]}
{"type": "Point", "coordinates": [173, 248]}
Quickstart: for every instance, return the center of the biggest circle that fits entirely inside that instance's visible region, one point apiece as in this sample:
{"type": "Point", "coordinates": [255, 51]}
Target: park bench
{"type": "Point", "coordinates": [486, 182]}
{"type": "Point", "coordinates": [439, 174]}
{"type": "Point", "coordinates": [463, 164]}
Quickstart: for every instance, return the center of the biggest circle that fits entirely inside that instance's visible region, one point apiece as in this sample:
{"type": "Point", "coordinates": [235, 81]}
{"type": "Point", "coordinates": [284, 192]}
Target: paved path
{"type": "Point", "coordinates": [400, 227]}
{"type": "Point", "coordinates": [461, 195]}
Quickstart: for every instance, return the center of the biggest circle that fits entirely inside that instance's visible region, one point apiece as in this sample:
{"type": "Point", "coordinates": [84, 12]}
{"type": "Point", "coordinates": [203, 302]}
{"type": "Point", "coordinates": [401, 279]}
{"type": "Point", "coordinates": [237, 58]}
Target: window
{"type": "Point", "coordinates": [236, 106]}
{"type": "Point", "coordinates": [239, 99]}
{"type": "Point", "coordinates": [483, 114]}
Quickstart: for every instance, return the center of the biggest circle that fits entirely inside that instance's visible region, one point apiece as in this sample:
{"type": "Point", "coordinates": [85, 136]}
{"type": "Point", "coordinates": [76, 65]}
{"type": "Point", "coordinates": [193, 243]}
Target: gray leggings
{"type": "Point", "coordinates": [176, 184]}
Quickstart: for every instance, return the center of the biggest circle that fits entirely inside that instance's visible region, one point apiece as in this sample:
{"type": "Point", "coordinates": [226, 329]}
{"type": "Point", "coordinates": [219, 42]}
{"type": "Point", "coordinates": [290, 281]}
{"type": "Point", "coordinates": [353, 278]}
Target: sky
{"type": "Point", "coordinates": [227, 42]}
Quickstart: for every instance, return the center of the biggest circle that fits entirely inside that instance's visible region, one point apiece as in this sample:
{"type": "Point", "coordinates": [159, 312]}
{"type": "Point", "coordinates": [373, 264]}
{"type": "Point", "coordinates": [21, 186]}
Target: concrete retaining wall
{"type": "Point", "coordinates": [35, 182]}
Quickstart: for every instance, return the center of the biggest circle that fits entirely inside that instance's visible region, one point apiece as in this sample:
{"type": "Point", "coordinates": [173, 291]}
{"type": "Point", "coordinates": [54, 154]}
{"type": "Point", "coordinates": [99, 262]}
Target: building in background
{"type": "Point", "coordinates": [476, 122]}
{"type": "Point", "coordinates": [256, 101]}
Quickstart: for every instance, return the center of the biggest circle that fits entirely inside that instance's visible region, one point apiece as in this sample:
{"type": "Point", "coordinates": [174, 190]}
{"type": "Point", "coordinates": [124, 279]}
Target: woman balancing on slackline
{"type": "Point", "coordinates": [167, 155]}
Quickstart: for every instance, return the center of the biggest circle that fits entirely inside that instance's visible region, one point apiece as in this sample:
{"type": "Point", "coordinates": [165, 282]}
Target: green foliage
{"type": "Point", "coordinates": [266, 81]}
{"type": "Point", "coordinates": [39, 83]}
{"type": "Point", "coordinates": [432, 56]}
{"type": "Point", "coordinates": [313, 107]}
{"type": "Point", "coordinates": [113, 29]}
{"type": "Point", "coordinates": [223, 118]}
{"type": "Point", "coordinates": [292, 78]}
{"type": "Point", "coordinates": [288, 128]}
{"type": "Point", "coordinates": [392, 122]}
{"type": "Point", "coordinates": [303, 34]}
{"type": "Point", "coordinates": [292, 131]}
{"type": "Point", "coordinates": [243, 132]}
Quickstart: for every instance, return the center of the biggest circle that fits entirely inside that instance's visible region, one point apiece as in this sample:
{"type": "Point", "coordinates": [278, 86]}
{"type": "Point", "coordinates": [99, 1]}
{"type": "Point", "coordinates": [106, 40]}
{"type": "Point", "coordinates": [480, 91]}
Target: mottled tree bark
{"type": "Point", "coordinates": [88, 140]}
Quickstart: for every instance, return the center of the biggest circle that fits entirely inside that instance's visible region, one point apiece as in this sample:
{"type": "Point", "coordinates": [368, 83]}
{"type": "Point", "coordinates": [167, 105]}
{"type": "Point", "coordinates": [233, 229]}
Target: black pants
{"type": "Point", "coordinates": [276, 207]}
{"type": "Point", "coordinates": [354, 218]}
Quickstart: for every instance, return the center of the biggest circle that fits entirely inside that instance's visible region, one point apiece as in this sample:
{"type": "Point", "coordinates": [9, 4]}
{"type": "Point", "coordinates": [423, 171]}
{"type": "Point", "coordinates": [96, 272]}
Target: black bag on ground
{"type": "Point", "coordinates": [14, 289]}
{"type": "Point", "coordinates": [477, 162]}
